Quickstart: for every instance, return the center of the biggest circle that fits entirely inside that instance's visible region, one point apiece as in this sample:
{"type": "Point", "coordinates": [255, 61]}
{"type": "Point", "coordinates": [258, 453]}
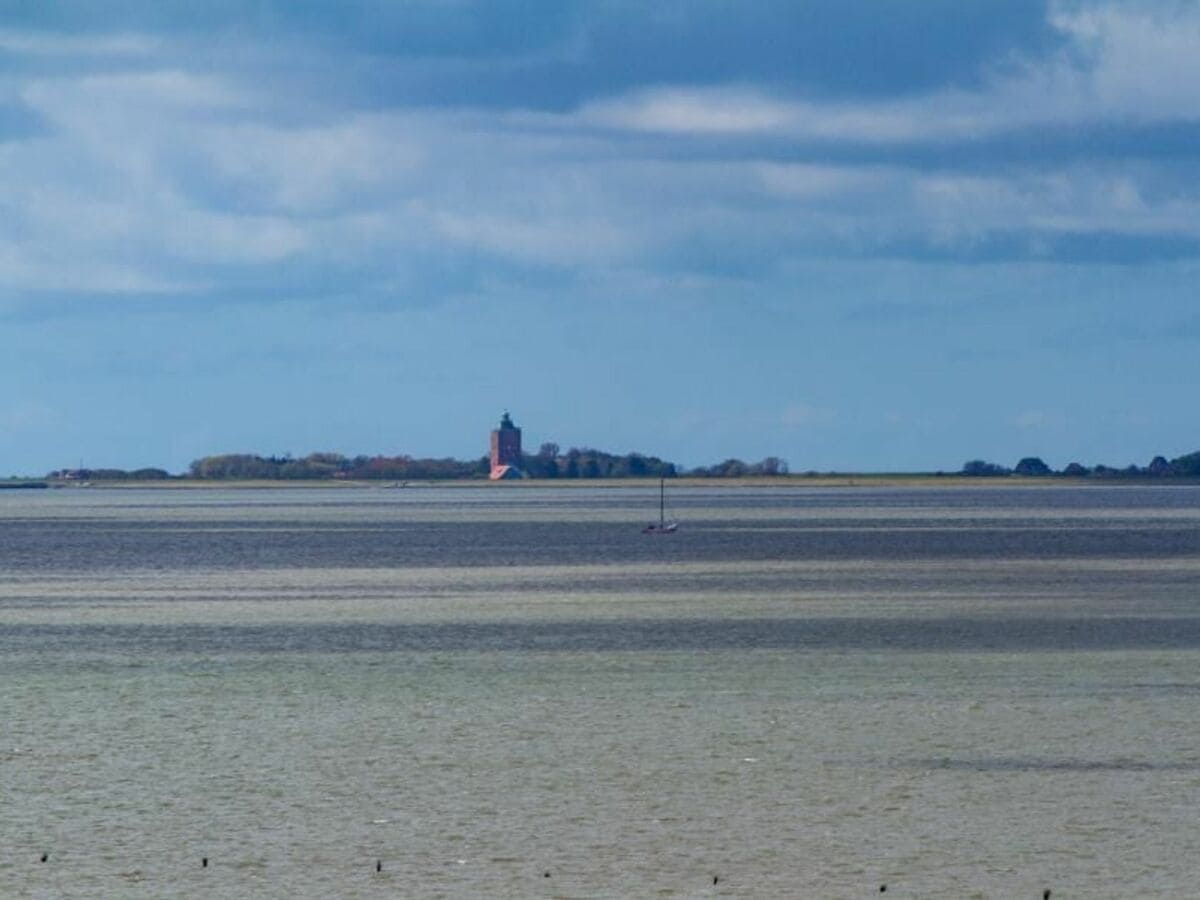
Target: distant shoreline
{"type": "Point", "coordinates": [954, 481]}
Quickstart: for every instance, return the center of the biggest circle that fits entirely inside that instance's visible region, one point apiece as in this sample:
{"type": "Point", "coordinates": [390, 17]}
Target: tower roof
{"type": "Point", "coordinates": [506, 422]}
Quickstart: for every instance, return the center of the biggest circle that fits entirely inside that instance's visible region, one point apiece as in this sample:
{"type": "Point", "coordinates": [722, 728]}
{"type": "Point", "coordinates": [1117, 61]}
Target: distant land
{"type": "Point", "coordinates": [552, 464]}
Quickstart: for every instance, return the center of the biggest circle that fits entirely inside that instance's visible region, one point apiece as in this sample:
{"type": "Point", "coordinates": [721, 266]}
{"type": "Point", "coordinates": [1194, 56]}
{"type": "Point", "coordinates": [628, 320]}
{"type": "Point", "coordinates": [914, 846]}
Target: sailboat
{"type": "Point", "coordinates": [663, 525]}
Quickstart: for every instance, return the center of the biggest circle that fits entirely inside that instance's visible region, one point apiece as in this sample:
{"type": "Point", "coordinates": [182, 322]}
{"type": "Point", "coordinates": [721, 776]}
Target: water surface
{"type": "Point", "coordinates": [806, 692]}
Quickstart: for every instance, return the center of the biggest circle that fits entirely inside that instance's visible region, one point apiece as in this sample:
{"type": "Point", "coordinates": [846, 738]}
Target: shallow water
{"type": "Point", "coordinates": [804, 692]}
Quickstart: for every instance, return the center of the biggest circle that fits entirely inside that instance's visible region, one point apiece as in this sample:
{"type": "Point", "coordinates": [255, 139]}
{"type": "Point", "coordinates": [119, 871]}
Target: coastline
{"type": "Point", "coordinates": [780, 481]}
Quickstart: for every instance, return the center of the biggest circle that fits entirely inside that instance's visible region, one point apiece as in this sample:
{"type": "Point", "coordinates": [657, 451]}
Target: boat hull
{"type": "Point", "coordinates": [668, 528]}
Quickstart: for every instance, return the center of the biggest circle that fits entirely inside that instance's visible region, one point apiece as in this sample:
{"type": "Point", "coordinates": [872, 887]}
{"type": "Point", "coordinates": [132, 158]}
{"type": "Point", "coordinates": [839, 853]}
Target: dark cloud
{"type": "Point", "coordinates": [553, 56]}
{"type": "Point", "coordinates": [817, 49]}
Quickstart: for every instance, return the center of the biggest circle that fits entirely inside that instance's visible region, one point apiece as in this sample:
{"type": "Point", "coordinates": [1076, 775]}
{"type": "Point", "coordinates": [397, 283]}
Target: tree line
{"type": "Point", "coordinates": [318, 466]}
{"type": "Point", "coordinates": [1186, 466]}
{"type": "Point", "coordinates": [149, 474]}
{"type": "Point", "coordinates": [575, 463]}
{"type": "Point", "coordinates": [550, 462]}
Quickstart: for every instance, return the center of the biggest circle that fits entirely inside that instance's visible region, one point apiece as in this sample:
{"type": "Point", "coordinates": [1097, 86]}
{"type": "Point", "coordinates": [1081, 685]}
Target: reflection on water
{"type": "Point", "coordinates": [804, 692]}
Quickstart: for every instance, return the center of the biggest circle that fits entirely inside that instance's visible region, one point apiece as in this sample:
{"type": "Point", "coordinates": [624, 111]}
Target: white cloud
{"type": "Point", "coordinates": [72, 101]}
{"type": "Point", "coordinates": [232, 239]}
{"type": "Point", "coordinates": [30, 265]}
{"type": "Point", "coordinates": [1146, 57]}
{"type": "Point", "coordinates": [48, 44]}
{"type": "Point", "coordinates": [745, 111]}
{"type": "Point", "coordinates": [313, 168]}
{"type": "Point", "coordinates": [697, 111]}
{"type": "Point", "coordinates": [1078, 198]}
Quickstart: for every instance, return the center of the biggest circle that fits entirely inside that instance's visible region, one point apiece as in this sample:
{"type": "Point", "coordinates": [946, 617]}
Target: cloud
{"type": "Point", "coordinates": [555, 56]}
{"type": "Point", "coordinates": [314, 168]}
{"type": "Point", "coordinates": [1128, 64]}
{"type": "Point", "coordinates": [694, 111]}
{"type": "Point", "coordinates": [343, 162]}
{"type": "Point", "coordinates": [56, 44]}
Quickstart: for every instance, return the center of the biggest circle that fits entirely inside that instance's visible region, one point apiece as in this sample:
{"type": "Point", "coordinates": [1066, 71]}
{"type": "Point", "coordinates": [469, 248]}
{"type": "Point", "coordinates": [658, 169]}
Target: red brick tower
{"type": "Point", "coordinates": [506, 450]}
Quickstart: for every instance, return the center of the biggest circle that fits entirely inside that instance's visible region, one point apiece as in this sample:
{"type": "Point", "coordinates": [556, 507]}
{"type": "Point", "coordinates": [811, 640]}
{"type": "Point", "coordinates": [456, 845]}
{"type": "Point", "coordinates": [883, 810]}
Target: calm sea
{"type": "Point", "coordinates": [512, 692]}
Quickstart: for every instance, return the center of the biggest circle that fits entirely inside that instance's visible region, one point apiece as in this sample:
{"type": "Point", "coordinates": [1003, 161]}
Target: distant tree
{"type": "Point", "coordinates": [235, 465]}
{"type": "Point", "coordinates": [1109, 472]}
{"type": "Point", "coordinates": [333, 461]}
{"type": "Point", "coordinates": [1160, 468]}
{"type": "Point", "coordinates": [1075, 470]}
{"type": "Point", "coordinates": [1188, 466]}
{"type": "Point", "coordinates": [729, 468]}
{"type": "Point", "coordinates": [540, 466]}
{"type": "Point", "coordinates": [149, 474]}
{"type": "Point", "coordinates": [772, 465]}
{"type": "Point", "coordinates": [325, 466]}
{"type": "Point", "coordinates": [1031, 465]}
{"type": "Point", "coordinates": [980, 468]}
{"type": "Point", "coordinates": [590, 463]}
{"type": "Point", "coordinates": [635, 465]}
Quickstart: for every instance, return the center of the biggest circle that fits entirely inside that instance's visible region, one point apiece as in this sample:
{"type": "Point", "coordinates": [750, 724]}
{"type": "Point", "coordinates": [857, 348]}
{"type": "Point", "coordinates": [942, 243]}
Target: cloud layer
{"type": "Point", "coordinates": [196, 157]}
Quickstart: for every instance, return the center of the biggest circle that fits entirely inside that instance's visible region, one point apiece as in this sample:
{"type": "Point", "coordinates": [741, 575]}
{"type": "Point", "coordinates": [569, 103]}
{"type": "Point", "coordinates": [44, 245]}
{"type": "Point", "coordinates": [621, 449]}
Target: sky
{"type": "Point", "coordinates": [860, 236]}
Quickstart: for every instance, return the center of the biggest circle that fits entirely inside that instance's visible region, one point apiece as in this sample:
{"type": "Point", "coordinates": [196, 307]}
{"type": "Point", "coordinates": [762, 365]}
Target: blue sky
{"type": "Point", "coordinates": [860, 236]}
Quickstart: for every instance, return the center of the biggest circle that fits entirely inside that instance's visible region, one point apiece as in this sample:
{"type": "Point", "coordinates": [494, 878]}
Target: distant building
{"type": "Point", "coordinates": [506, 450]}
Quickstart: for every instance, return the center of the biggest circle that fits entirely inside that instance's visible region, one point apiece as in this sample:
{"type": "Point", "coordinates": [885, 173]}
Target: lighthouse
{"type": "Point", "coordinates": [506, 450]}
